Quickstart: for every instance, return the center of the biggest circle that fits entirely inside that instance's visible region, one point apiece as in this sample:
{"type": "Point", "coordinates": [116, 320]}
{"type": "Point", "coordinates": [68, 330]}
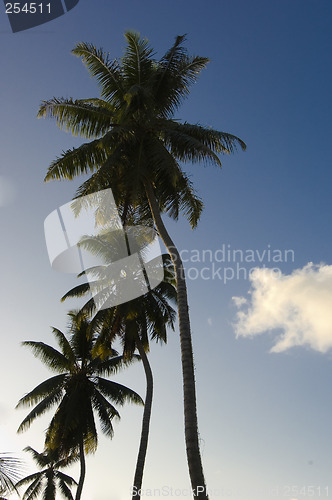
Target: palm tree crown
{"type": "Point", "coordinates": [135, 137]}
{"type": "Point", "coordinates": [80, 390]}
{"type": "Point", "coordinates": [49, 478]}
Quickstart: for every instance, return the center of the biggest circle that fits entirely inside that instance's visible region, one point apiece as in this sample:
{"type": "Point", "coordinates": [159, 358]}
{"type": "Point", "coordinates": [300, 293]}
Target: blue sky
{"type": "Point", "coordinates": [264, 417]}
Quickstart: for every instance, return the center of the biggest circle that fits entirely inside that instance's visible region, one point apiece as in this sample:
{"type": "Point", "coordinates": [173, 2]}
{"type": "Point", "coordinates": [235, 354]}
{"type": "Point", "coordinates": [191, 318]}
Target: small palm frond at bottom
{"type": "Point", "coordinates": [10, 472]}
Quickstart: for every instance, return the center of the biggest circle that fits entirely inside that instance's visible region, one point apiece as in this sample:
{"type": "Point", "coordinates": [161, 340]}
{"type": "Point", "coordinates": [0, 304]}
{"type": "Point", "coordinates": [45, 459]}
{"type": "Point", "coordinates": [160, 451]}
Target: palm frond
{"type": "Point", "coordinates": [188, 148]}
{"type": "Point", "coordinates": [77, 161]}
{"type": "Point", "coordinates": [65, 490]}
{"type": "Point", "coordinates": [50, 356]}
{"type": "Point", "coordinates": [107, 73]}
{"type": "Point", "coordinates": [187, 202]}
{"type": "Point", "coordinates": [117, 393]}
{"type": "Point", "coordinates": [28, 479]}
{"type": "Point", "coordinates": [65, 478]}
{"type": "Point", "coordinates": [174, 55]}
{"type": "Point", "coordinates": [40, 409]}
{"type": "Point", "coordinates": [49, 386]}
{"type": "Point", "coordinates": [136, 62]}
{"type": "Point", "coordinates": [111, 366]}
{"type": "Point", "coordinates": [96, 101]}
{"type": "Point", "coordinates": [10, 472]}
{"type": "Point", "coordinates": [216, 141]}
{"type": "Point", "coordinates": [34, 489]}
{"type": "Point", "coordinates": [178, 197]}
{"type": "Point", "coordinates": [106, 412]}
{"type": "Point", "coordinates": [40, 458]}
{"type": "Point", "coordinates": [77, 291]}
{"type": "Point", "coordinates": [64, 345]}
{"type": "Point", "coordinates": [175, 73]}
{"type": "Point", "coordinates": [79, 117]}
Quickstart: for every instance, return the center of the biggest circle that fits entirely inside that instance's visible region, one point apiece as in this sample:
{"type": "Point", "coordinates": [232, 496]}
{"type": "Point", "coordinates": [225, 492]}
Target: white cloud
{"type": "Point", "coordinates": [209, 320]}
{"type": "Point", "coordinates": [239, 301]}
{"type": "Point", "coordinates": [299, 304]}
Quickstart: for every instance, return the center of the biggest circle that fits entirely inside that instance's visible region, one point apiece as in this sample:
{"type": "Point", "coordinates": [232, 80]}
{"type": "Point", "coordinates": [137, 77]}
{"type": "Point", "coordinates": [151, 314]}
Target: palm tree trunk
{"type": "Point", "coordinates": [189, 391]}
{"type": "Point", "coordinates": [138, 478]}
{"type": "Point", "coordinates": [82, 473]}
{"type": "Point", "coordinates": [145, 421]}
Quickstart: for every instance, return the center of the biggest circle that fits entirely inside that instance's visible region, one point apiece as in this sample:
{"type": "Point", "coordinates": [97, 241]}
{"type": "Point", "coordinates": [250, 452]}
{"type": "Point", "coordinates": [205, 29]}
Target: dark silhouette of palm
{"type": "Point", "coordinates": [11, 469]}
{"type": "Point", "coordinates": [44, 483]}
{"type": "Point", "coordinates": [136, 149]}
{"type": "Point", "coordinates": [79, 391]}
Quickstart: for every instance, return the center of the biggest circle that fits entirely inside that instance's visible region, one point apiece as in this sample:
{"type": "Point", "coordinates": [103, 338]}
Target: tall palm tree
{"type": "Point", "coordinates": [133, 322]}
{"type": "Point", "coordinates": [78, 391]}
{"type": "Point", "coordinates": [10, 472]}
{"type": "Point", "coordinates": [46, 481]}
{"type": "Point", "coordinates": [136, 149]}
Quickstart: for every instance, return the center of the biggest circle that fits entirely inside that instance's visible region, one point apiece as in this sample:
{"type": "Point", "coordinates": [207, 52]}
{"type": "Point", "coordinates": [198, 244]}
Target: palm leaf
{"type": "Point", "coordinates": [39, 458]}
{"type": "Point", "coordinates": [175, 73]}
{"type": "Point", "coordinates": [106, 412]}
{"type": "Point", "coordinates": [116, 392]}
{"type": "Point", "coordinates": [136, 62]}
{"type": "Point", "coordinates": [49, 386]}
{"type": "Point", "coordinates": [188, 148]}
{"type": "Point", "coordinates": [65, 345]}
{"type": "Point", "coordinates": [65, 490]}
{"type": "Point", "coordinates": [76, 161]}
{"type": "Point", "coordinates": [40, 409]}
{"type": "Point", "coordinates": [28, 479]}
{"type": "Point", "coordinates": [176, 134]}
{"type": "Point", "coordinates": [80, 117]}
{"type": "Point", "coordinates": [111, 366]}
{"type": "Point", "coordinates": [50, 356]}
{"type": "Point", "coordinates": [107, 73]}
{"type": "Point", "coordinates": [10, 470]}
{"type": "Point", "coordinates": [65, 478]}
{"type": "Point", "coordinates": [77, 291]}
{"type": "Point", "coordinates": [34, 489]}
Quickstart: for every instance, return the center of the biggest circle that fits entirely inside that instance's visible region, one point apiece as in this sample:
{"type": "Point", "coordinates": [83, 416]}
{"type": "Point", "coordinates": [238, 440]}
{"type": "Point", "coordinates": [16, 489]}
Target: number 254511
{"type": "Point", "coordinates": [27, 8]}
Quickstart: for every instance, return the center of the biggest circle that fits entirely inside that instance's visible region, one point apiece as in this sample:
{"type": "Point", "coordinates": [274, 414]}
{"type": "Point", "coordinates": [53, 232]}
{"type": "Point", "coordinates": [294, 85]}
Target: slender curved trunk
{"type": "Point", "coordinates": [199, 489]}
{"type": "Point", "coordinates": [82, 473]}
{"type": "Point", "coordinates": [145, 422]}
{"type": "Point", "coordinates": [138, 478]}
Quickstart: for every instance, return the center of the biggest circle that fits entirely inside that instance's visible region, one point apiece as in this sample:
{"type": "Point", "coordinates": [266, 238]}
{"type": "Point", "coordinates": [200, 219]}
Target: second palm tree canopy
{"type": "Point", "coordinates": [49, 478]}
{"type": "Point", "coordinates": [133, 323]}
{"type": "Point", "coordinates": [79, 390]}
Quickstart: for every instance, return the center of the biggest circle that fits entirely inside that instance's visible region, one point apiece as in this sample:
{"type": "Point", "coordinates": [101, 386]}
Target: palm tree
{"type": "Point", "coordinates": [133, 322]}
{"type": "Point", "coordinates": [136, 149]}
{"type": "Point", "coordinates": [78, 390]}
{"type": "Point", "coordinates": [49, 478]}
{"type": "Point", "coordinates": [10, 471]}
